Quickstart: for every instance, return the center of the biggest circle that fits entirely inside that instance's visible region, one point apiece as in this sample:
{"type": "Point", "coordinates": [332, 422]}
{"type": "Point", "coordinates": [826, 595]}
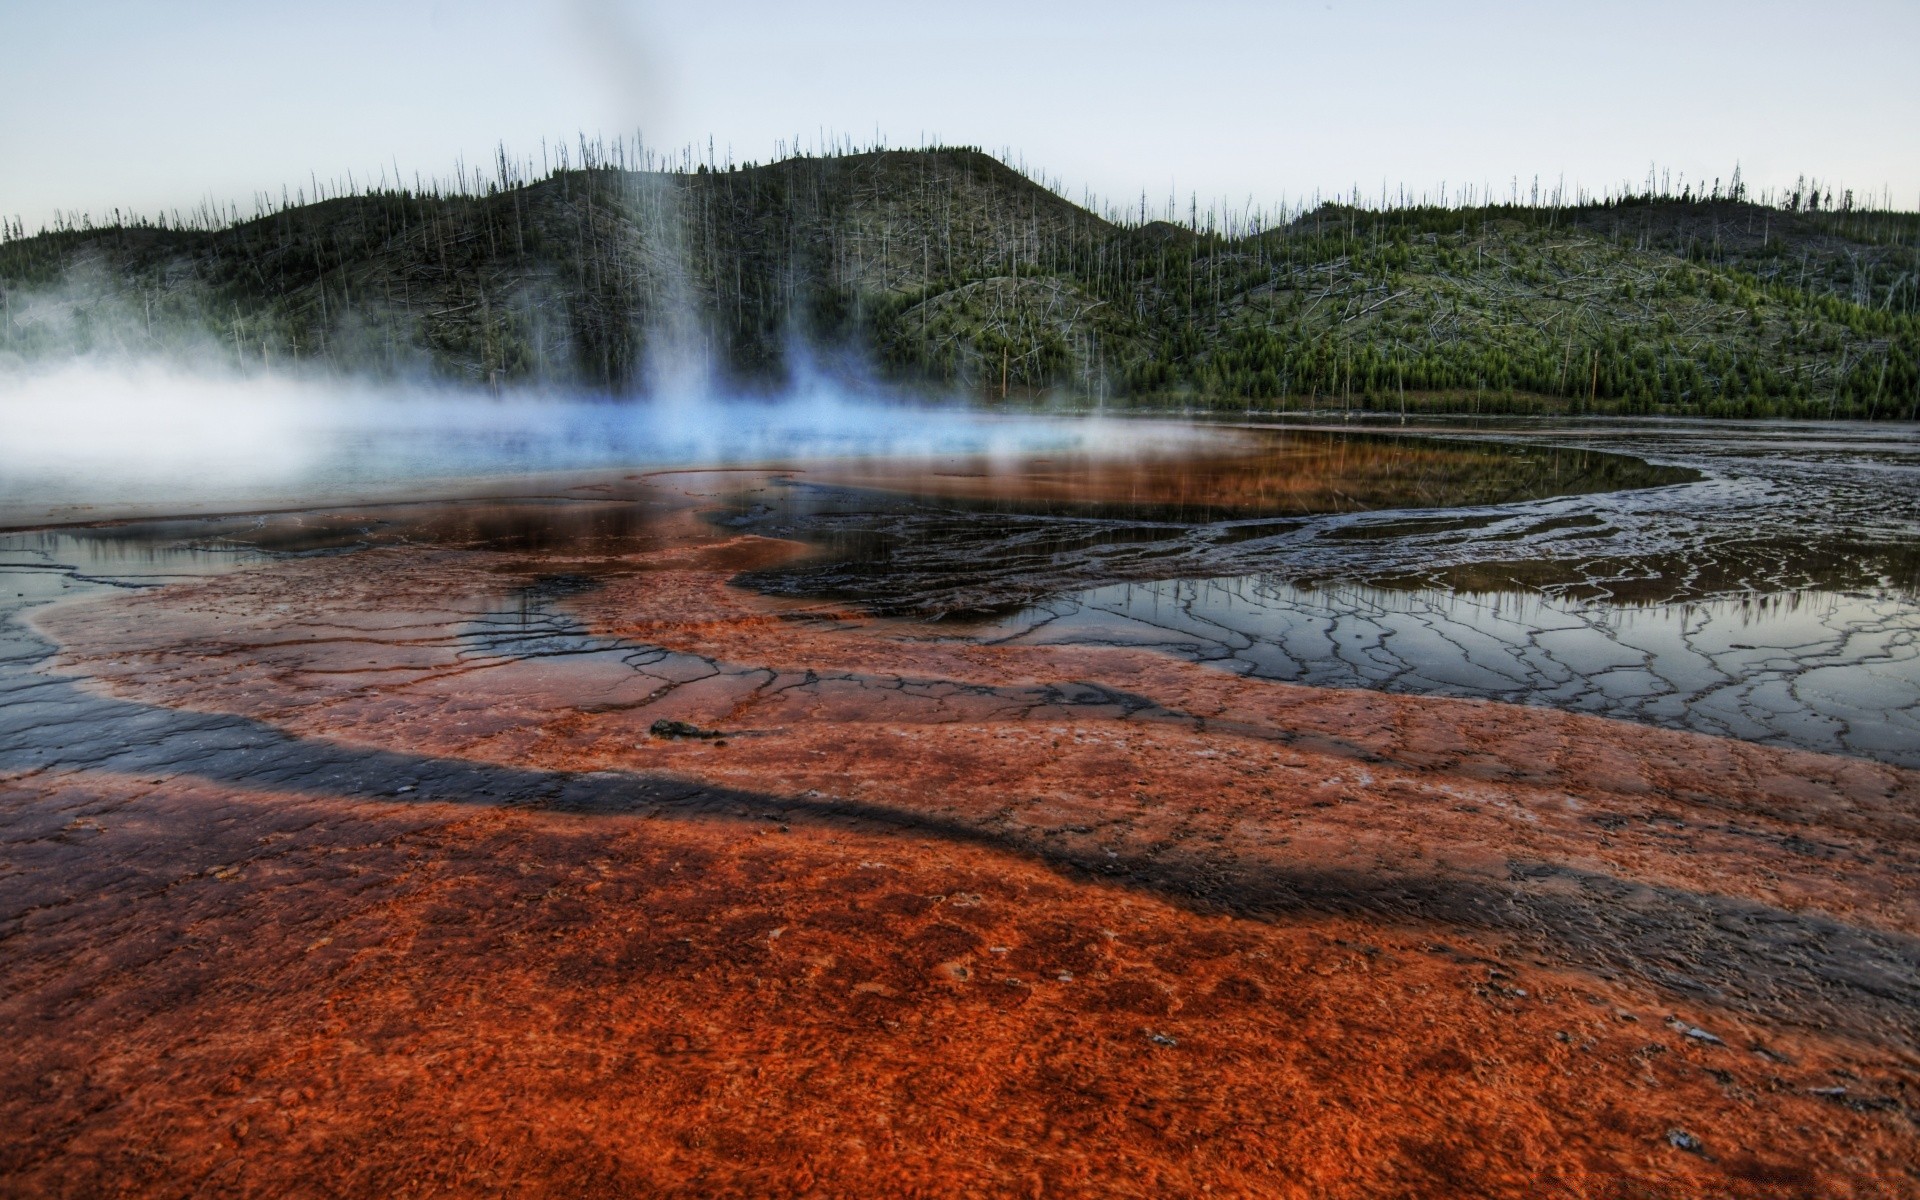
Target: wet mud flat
{"type": "Point", "coordinates": [610, 841]}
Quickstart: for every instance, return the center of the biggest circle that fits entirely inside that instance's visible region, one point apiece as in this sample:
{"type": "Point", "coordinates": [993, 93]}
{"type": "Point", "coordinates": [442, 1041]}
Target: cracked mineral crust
{"type": "Point", "coordinates": [368, 873]}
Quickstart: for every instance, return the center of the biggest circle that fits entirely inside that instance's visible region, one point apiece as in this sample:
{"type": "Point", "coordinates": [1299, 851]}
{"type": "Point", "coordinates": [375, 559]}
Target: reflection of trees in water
{"type": "Point", "coordinates": [987, 536]}
{"type": "Point", "coordinates": [1297, 472]}
{"type": "Point", "coordinates": [1834, 672]}
{"type": "Point", "coordinates": [1767, 516]}
{"type": "Point", "coordinates": [1757, 567]}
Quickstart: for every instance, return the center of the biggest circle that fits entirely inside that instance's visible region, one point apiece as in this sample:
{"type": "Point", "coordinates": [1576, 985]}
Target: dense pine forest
{"type": "Point", "coordinates": [949, 270]}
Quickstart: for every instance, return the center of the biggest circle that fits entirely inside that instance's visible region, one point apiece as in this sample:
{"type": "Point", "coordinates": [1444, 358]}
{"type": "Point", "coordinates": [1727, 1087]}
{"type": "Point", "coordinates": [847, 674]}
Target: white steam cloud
{"type": "Point", "coordinates": [93, 440]}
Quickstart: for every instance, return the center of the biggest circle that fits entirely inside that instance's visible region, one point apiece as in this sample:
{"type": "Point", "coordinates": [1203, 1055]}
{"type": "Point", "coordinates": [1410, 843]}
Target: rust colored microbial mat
{"type": "Point", "coordinates": [840, 831]}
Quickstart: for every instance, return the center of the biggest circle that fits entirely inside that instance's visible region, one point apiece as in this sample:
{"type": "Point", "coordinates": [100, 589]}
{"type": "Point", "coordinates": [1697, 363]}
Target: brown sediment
{"type": "Point", "coordinates": [927, 916]}
{"type": "Point", "coordinates": [1249, 472]}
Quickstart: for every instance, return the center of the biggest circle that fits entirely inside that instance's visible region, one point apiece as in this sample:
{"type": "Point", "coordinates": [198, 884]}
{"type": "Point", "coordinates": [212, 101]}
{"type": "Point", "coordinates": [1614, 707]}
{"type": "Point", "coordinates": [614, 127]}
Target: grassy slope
{"type": "Point", "coordinates": [948, 267]}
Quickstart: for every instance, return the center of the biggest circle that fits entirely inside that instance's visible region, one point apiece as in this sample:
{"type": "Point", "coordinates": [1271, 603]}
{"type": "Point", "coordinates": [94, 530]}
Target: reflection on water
{"type": "Point", "coordinates": [968, 536]}
{"type": "Point", "coordinates": [1256, 473]}
{"type": "Point", "coordinates": [1773, 598]}
{"type": "Point", "coordinates": [39, 565]}
{"type": "Point", "coordinates": [1749, 583]}
{"type": "Point", "coordinates": [150, 552]}
{"type": "Point", "coordinates": [1819, 670]}
{"type": "Point", "coordinates": [88, 444]}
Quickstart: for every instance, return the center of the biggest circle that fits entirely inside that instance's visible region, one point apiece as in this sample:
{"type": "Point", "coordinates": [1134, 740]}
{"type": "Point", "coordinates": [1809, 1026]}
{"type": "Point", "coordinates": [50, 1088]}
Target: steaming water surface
{"type": "Point", "coordinates": [88, 441]}
{"type": "Point", "coordinates": [1753, 582]}
{"type": "Point", "coordinates": [1759, 582]}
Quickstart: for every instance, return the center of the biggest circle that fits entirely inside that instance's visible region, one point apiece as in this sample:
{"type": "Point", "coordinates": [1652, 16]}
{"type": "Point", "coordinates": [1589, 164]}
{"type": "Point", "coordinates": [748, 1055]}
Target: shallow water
{"type": "Point", "coordinates": [1754, 581]}
{"type": "Point", "coordinates": [1815, 669]}
{"type": "Point", "coordinates": [91, 443]}
{"type": "Point", "coordinates": [1751, 581]}
{"type": "Point", "coordinates": [1237, 474]}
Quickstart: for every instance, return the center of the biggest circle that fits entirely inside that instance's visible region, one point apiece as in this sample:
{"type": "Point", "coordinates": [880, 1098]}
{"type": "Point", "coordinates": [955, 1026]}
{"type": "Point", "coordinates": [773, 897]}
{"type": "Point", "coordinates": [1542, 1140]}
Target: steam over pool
{"type": "Point", "coordinates": [99, 438]}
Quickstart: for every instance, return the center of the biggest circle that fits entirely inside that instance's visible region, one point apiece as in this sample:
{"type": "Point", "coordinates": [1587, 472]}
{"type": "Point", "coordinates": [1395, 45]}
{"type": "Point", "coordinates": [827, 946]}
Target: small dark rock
{"type": "Point", "coordinates": [664, 728]}
{"type": "Point", "coordinates": [1680, 1139]}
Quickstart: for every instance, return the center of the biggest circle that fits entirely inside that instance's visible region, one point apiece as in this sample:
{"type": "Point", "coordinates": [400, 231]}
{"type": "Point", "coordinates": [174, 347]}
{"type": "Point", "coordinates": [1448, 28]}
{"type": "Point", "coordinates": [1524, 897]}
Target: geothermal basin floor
{"type": "Point", "coordinates": [478, 866]}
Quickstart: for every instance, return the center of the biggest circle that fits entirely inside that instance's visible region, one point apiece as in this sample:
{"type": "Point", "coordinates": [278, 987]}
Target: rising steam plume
{"type": "Point", "coordinates": [90, 440]}
{"type": "Point", "coordinates": [181, 414]}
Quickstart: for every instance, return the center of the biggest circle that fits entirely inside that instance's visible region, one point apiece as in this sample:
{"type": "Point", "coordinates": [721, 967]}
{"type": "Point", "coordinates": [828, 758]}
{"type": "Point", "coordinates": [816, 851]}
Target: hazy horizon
{"type": "Point", "coordinates": [120, 105]}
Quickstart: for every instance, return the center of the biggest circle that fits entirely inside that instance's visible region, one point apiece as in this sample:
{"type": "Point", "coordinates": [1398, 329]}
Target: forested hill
{"type": "Point", "coordinates": [947, 268]}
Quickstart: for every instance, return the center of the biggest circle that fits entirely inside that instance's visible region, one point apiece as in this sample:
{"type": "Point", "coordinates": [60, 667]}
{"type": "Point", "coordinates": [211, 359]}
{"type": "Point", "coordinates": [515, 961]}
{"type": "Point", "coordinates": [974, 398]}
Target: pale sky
{"type": "Point", "coordinates": [148, 105]}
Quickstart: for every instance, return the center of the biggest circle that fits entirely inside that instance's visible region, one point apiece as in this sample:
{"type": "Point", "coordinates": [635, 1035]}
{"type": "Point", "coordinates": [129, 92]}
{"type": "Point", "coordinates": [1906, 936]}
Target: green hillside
{"type": "Point", "coordinates": [946, 268]}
